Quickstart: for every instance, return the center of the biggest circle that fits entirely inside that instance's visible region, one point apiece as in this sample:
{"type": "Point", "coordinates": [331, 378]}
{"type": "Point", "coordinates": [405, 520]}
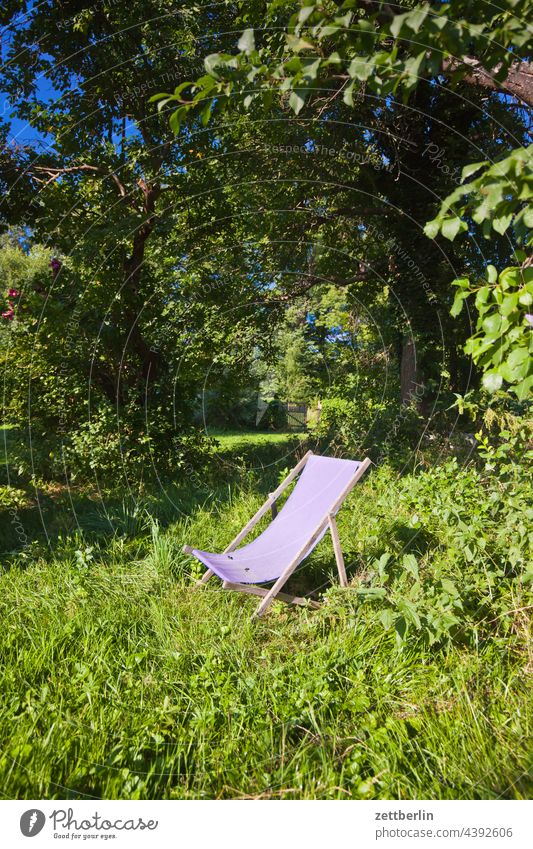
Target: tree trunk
{"type": "Point", "coordinates": [151, 359]}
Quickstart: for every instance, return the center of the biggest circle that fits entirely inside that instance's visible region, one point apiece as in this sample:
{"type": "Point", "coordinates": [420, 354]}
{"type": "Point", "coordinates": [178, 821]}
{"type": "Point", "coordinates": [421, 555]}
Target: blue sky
{"type": "Point", "coordinates": [22, 132]}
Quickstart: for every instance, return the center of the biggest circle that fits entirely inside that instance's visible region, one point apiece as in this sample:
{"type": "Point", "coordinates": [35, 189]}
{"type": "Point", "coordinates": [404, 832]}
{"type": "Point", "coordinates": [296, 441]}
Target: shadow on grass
{"type": "Point", "coordinates": [51, 514]}
{"type": "Point", "coordinates": [319, 572]}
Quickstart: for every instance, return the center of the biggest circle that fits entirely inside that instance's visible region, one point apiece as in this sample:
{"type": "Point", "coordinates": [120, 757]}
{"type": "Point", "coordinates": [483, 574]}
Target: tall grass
{"type": "Point", "coordinates": [118, 680]}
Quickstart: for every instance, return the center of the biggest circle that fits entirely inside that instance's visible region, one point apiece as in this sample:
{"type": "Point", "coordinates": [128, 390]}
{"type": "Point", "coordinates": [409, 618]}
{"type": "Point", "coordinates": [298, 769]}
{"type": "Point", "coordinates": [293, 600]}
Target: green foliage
{"type": "Point", "coordinates": [345, 424]}
{"type": "Point", "coordinates": [245, 254]}
{"type": "Point", "coordinates": [388, 52]}
{"type": "Point", "coordinates": [485, 524]}
{"type": "Point", "coordinates": [367, 426]}
{"type": "Point", "coordinates": [111, 450]}
{"type": "Point", "coordinates": [10, 497]}
{"type": "Point", "coordinates": [503, 343]}
{"type": "Point", "coordinates": [107, 373]}
{"type": "Point", "coordinates": [65, 420]}
{"type": "Point", "coordinates": [499, 199]}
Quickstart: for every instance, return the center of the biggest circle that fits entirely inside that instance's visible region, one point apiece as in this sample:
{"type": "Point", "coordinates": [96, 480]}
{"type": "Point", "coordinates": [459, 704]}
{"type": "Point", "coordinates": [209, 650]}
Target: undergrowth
{"type": "Point", "coordinates": [119, 680]}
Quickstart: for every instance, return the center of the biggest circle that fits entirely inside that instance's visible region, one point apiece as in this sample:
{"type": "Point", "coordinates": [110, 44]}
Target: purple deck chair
{"type": "Point", "coordinates": [293, 533]}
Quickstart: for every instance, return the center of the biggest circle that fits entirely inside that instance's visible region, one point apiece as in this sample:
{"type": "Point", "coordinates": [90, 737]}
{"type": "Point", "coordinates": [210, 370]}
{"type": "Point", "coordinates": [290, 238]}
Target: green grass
{"type": "Point", "coordinates": [250, 440]}
{"type": "Point", "coordinates": [118, 681]}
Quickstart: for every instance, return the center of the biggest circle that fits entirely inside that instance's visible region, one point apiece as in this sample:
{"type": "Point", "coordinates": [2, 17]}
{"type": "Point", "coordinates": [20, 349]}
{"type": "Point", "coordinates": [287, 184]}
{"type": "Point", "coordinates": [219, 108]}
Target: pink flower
{"type": "Point", "coordinates": [8, 313]}
{"type": "Point", "coordinates": [529, 318]}
{"type": "Point", "coordinates": [12, 293]}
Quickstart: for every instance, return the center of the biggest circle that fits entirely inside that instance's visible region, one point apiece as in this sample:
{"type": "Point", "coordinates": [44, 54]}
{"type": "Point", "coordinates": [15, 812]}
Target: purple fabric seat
{"type": "Point", "coordinates": [320, 484]}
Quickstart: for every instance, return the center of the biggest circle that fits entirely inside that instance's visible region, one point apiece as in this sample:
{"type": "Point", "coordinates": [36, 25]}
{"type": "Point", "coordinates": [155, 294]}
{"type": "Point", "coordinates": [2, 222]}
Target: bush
{"type": "Point", "coordinates": [464, 566]}
{"type": "Point", "coordinates": [113, 452]}
{"type": "Point", "coordinates": [10, 497]}
{"type": "Point", "coordinates": [368, 427]}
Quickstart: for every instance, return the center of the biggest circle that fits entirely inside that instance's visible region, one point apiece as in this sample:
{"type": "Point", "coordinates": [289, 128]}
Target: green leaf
{"type": "Point", "coordinates": [292, 66]}
{"type": "Point", "coordinates": [162, 98]}
{"type": "Point", "coordinates": [387, 618]}
{"type": "Point", "coordinates": [333, 59]}
{"type": "Point", "coordinates": [347, 95]}
{"type": "Point", "coordinates": [310, 68]}
{"type": "Point", "coordinates": [372, 592]}
{"type": "Point", "coordinates": [523, 389]}
{"type": "Point", "coordinates": [470, 169]}
{"type": "Point", "coordinates": [528, 218]}
{"type": "Point", "coordinates": [329, 29]}
{"type": "Point", "coordinates": [296, 44]}
{"type": "Point", "coordinates": [482, 297]}
{"type": "Point", "coordinates": [344, 20]}
{"type": "Point", "coordinates": [517, 357]}
{"type": "Point", "coordinates": [410, 565]}
{"type": "Point", "coordinates": [205, 114]}
{"type": "Point", "coordinates": [501, 222]}
{"type": "Point", "coordinates": [414, 69]}
{"type": "Point", "coordinates": [510, 277]}
{"type": "Point", "coordinates": [176, 119]}
{"type": "Point", "coordinates": [296, 101]}
{"type": "Point", "coordinates": [305, 13]}
{"type": "Point", "coordinates": [400, 626]}
{"type": "Point", "coordinates": [449, 587]}
{"type": "Point", "coordinates": [451, 227]}
{"type": "Point", "coordinates": [492, 325]}
{"type": "Point", "coordinates": [510, 302]}
{"type": "Point", "coordinates": [367, 34]}
{"type": "Point", "coordinates": [246, 43]}
{"type": "Point", "coordinates": [179, 88]}
{"type": "Point", "coordinates": [211, 63]}
{"type": "Point", "coordinates": [382, 563]}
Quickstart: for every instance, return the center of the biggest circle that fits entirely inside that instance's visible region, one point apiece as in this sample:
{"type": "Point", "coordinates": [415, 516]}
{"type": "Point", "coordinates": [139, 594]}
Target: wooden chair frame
{"type": "Point", "coordinates": [270, 504]}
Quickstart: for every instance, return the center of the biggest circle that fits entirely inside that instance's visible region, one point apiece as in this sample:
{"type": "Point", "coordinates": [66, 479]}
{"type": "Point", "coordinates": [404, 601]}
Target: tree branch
{"type": "Point", "coordinates": [518, 82]}
{"type": "Point", "coordinates": [55, 173]}
{"type": "Point", "coordinates": [312, 281]}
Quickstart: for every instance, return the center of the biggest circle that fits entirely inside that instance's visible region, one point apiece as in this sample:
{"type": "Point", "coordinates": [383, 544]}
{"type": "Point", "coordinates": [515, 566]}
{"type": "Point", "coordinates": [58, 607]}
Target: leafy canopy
{"type": "Point", "coordinates": [360, 44]}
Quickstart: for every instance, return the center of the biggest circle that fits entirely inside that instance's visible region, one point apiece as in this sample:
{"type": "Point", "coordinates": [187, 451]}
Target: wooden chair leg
{"type": "Point", "coordinates": [205, 577]}
{"type": "Point", "coordinates": [252, 589]}
{"type": "Point", "coordinates": [343, 580]}
{"type": "Point", "coordinates": [284, 577]}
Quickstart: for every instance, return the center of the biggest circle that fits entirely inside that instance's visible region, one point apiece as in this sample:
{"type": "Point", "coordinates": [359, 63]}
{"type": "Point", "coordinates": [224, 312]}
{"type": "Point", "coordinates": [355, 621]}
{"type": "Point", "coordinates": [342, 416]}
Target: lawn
{"type": "Point", "coordinates": [120, 681]}
{"type": "Point", "coordinates": [232, 441]}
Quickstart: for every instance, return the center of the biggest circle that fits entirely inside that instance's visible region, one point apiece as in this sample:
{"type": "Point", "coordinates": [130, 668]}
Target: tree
{"type": "Point", "coordinates": [364, 48]}
{"type": "Point", "coordinates": [115, 313]}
